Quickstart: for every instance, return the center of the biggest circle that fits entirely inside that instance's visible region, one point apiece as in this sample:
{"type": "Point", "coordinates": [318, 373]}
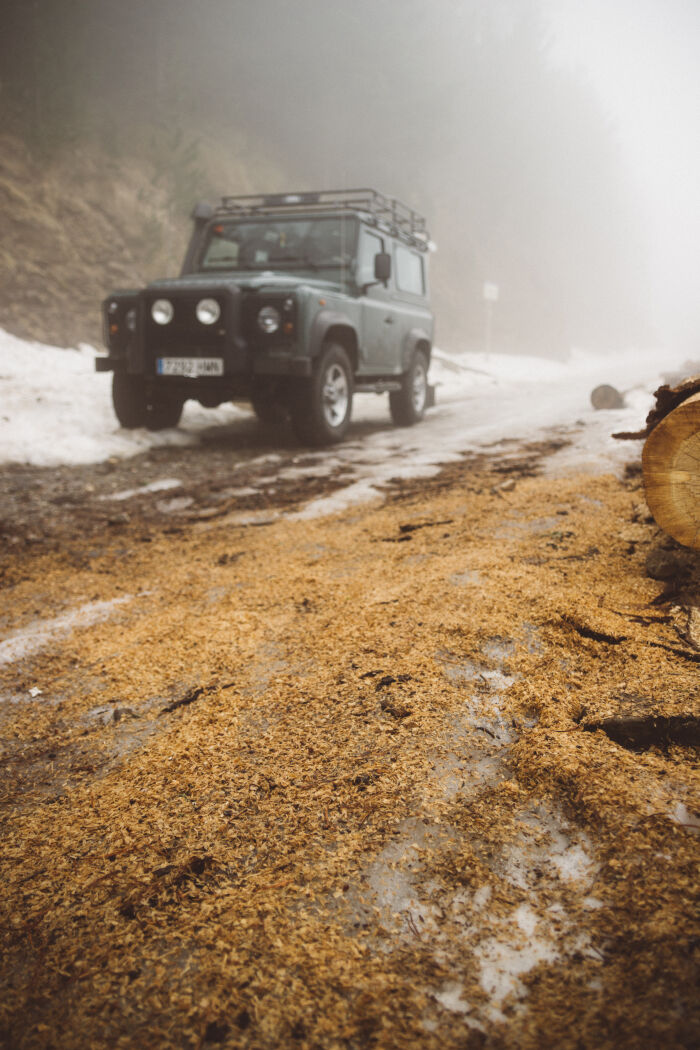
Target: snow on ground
{"type": "Point", "coordinates": [483, 401]}
{"type": "Point", "coordinates": [55, 409]}
{"type": "Point", "coordinates": [42, 632]}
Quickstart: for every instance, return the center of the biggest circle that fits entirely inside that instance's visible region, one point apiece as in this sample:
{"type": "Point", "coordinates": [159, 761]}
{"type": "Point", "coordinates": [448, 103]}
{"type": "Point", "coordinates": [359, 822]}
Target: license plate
{"type": "Point", "coordinates": [190, 367]}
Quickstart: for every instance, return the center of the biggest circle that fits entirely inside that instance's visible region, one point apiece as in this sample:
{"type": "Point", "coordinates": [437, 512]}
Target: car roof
{"type": "Point", "coordinates": [373, 208]}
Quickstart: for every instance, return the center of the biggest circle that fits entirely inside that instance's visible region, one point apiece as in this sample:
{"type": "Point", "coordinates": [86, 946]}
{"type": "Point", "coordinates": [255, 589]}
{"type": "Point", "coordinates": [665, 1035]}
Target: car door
{"type": "Point", "coordinates": [377, 337]}
{"type": "Point", "coordinates": [410, 295]}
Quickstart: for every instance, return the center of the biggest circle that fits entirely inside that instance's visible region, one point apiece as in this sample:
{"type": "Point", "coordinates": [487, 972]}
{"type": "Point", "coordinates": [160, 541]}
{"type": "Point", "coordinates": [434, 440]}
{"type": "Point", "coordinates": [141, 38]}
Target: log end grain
{"type": "Point", "coordinates": [607, 397]}
{"type": "Point", "coordinates": [671, 468]}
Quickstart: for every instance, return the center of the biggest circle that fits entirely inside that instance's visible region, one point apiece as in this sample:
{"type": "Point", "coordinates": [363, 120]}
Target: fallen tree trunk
{"type": "Point", "coordinates": [671, 469]}
{"type": "Point", "coordinates": [607, 397]}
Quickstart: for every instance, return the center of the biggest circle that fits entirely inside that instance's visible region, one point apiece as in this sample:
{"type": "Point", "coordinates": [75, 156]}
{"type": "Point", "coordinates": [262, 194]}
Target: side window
{"type": "Point", "coordinates": [370, 245]}
{"type": "Point", "coordinates": [409, 271]}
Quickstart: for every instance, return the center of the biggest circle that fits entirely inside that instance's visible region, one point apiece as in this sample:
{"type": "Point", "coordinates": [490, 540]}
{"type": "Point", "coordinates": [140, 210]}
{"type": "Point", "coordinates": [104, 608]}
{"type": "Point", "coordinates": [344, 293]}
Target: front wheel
{"type": "Point", "coordinates": [134, 407]}
{"type": "Point", "coordinates": [408, 404]}
{"type": "Point", "coordinates": [164, 413]}
{"type": "Point", "coordinates": [129, 400]}
{"type": "Point", "coordinates": [322, 406]}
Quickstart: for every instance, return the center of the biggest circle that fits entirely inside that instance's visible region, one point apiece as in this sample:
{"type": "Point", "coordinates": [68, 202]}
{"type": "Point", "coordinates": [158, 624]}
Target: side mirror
{"type": "Point", "coordinates": [382, 266]}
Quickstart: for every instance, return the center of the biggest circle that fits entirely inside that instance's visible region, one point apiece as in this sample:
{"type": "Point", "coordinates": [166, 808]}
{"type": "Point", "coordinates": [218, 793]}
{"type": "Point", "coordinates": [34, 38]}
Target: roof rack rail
{"type": "Point", "coordinates": [398, 217]}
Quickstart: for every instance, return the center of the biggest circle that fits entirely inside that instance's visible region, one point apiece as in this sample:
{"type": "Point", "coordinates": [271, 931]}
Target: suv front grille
{"type": "Point", "coordinates": [185, 334]}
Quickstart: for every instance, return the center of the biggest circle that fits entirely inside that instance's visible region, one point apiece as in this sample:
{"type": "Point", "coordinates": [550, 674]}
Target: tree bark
{"type": "Point", "coordinates": [671, 468]}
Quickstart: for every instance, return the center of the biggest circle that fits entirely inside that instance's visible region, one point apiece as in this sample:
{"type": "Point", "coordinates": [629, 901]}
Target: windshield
{"type": "Point", "coordinates": [280, 244]}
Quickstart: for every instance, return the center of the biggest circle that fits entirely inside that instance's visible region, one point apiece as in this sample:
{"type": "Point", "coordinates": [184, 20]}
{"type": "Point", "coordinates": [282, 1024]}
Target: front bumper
{"type": "Point", "coordinates": [262, 363]}
{"type": "Point", "coordinates": [235, 339]}
{"type": "Point", "coordinates": [109, 364]}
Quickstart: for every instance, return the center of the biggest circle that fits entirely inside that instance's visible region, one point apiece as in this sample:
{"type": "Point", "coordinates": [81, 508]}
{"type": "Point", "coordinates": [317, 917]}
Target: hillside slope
{"type": "Point", "coordinates": [86, 222]}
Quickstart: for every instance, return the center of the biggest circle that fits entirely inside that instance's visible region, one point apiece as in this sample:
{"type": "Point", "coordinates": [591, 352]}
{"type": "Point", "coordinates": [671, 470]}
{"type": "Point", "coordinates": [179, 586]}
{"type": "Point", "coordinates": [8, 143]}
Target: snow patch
{"type": "Point", "coordinates": [451, 998]}
{"type": "Point", "coordinates": [175, 505]}
{"type": "Point", "coordinates": [680, 814]}
{"type": "Point", "coordinates": [41, 633]}
{"type": "Point", "coordinates": [504, 960]}
{"type": "Point", "coordinates": [162, 485]}
{"type": "Point", "coordinates": [57, 410]}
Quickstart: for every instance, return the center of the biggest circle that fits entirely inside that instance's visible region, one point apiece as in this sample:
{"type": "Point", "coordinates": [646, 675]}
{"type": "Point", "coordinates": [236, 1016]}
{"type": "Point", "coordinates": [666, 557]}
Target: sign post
{"type": "Point", "coordinates": [490, 295]}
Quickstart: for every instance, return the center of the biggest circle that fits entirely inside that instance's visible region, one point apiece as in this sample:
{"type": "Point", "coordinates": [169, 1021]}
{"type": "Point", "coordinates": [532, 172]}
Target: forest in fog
{"type": "Point", "coordinates": [454, 106]}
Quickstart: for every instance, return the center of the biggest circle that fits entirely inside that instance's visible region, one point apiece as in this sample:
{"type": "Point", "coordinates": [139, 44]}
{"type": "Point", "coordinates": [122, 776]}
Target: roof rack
{"type": "Point", "coordinates": [401, 220]}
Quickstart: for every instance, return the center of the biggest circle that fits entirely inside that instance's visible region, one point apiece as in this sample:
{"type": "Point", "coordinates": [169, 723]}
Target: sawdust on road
{"type": "Point", "coordinates": [343, 782]}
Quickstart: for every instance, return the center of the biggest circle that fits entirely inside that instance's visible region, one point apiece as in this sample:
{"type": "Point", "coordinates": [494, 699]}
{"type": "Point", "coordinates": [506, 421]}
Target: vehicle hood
{"type": "Point", "coordinates": [267, 281]}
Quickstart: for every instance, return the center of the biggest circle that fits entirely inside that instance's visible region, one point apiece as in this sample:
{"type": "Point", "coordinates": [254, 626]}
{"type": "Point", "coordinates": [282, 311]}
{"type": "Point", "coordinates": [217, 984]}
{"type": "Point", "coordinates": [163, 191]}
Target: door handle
{"type": "Point", "coordinates": [388, 320]}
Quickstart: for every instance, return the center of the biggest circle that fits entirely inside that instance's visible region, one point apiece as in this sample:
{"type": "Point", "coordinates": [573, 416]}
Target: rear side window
{"type": "Point", "coordinates": [409, 271]}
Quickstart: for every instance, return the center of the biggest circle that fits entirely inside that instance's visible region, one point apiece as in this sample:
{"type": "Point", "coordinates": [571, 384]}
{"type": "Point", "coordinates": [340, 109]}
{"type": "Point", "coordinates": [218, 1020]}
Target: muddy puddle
{"type": "Point", "coordinates": [545, 866]}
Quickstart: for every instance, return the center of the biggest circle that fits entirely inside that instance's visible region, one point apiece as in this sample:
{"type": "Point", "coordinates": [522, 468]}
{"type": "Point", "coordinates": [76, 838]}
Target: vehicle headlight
{"type": "Point", "coordinates": [162, 311]}
{"type": "Point", "coordinates": [269, 319]}
{"type": "Point", "coordinates": [208, 311]}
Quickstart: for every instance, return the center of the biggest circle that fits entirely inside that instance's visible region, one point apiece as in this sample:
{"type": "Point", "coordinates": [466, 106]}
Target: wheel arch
{"type": "Point", "coordinates": [415, 339]}
{"type": "Point", "coordinates": [333, 327]}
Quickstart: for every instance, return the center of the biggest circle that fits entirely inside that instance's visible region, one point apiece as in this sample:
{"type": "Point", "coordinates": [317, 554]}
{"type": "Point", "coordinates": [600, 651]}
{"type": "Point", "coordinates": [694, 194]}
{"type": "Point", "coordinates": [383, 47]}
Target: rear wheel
{"type": "Point", "coordinates": [322, 406]}
{"type": "Point", "coordinates": [408, 404]}
{"type": "Point", "coordinates": [134, 407]}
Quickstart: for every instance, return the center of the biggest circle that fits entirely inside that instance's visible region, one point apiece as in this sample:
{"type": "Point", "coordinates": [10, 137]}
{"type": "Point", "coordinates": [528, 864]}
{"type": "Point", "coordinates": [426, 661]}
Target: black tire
{"type": "Point", "coordinates": [129, 400]}
{"type": "Point", "coordinates": [134, 408]}
{"type": "Point", "coordinates": [408, 404]}
{"type": "Point", "coordinates": [322, 405]}
{"type": "Point", "coordinates": [164, 413]}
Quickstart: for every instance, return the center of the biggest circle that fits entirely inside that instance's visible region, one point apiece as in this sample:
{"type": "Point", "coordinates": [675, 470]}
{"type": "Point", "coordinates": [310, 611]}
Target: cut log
{"type": "Point", "coordinates": [667, 398]}
{"type": "Point", "coordinates": [671, 469]}
{"type": "Point", "coordinates": [607, 397]}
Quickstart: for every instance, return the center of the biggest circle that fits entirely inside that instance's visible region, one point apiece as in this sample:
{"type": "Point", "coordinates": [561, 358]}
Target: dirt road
{"type": "Point", "coordinates": [341, 782]}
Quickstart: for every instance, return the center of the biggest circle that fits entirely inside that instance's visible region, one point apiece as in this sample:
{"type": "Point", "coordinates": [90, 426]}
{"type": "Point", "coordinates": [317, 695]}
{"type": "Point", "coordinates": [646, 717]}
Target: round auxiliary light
{"type": "Point", "coordinates": [208, 311]}
{"type": "Point", "coordinates": [269, 319]}
{"type": "Point", "coordinates": [162, 311]}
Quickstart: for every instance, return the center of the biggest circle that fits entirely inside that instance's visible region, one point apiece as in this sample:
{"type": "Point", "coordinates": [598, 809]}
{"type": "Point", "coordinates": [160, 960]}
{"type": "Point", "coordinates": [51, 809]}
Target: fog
{"type": "Point", "coordinates": [550, 145]}
{"type": "Point", "coordinates": [640, 57]}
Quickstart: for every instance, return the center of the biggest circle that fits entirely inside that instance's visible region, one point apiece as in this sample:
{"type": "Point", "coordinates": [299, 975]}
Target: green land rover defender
{"type": "Point", "coordinates": [293, 302]}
